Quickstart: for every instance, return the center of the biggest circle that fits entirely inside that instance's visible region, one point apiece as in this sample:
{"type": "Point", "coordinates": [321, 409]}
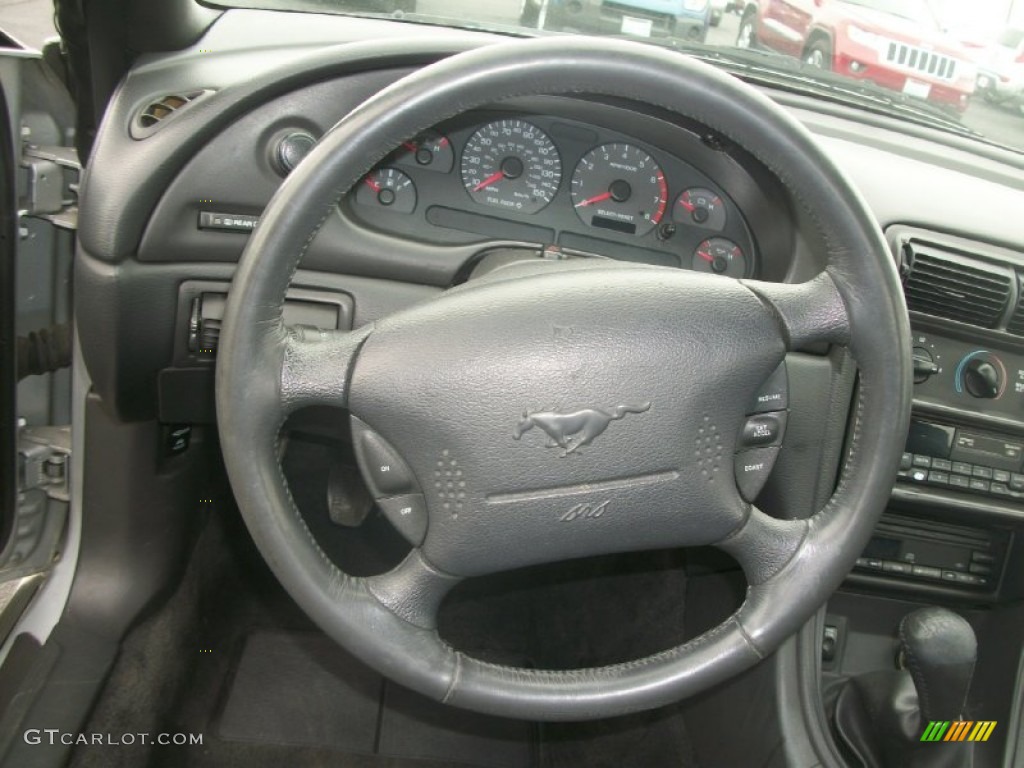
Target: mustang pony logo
{"type": "Point", "coordinates": [571, 431]}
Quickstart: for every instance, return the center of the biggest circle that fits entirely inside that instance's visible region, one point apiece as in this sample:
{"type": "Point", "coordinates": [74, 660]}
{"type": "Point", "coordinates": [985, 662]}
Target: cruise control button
{"type": "Point", "coordinates": [408, 514]}
{"type": "Point", "coordinates": [774, 393]}
{"type": "Point", "coordinates": [388, 475]}
{"type": "Point", "coordinates": [765, 429]}
{"type": "Point", "coordinates": [752, 470]}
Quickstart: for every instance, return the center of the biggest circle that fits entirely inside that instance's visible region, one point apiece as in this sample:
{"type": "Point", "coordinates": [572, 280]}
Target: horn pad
{"type": "Point", "coordinates": [571, 413]}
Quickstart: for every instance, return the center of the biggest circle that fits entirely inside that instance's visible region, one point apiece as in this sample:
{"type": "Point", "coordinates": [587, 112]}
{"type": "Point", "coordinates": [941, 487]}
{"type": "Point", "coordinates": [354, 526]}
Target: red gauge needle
{"type": "Point", "coordinates": [687, 205]}
{"type": "Point", "coordinates": [372, 184]}
{"type": "Point", "coordinates": [594, 199]}
{"type": "Point", "coordinates": [706, 256]}
{"type": "Point", "coordinates": [498, 176]}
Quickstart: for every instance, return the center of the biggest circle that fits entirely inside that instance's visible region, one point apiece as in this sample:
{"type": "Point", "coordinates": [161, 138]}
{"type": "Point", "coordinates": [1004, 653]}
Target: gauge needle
{"type": "Point", "coordinates": [372, 184]}
{"type": "Point", "coordinates": [687, 204]}
{"type": "Point", "coordinates": [498, 176]}
{"type": "Point", "coordinates": [705, 256]}
{"type": "Point", "coordinates": [594, 199]}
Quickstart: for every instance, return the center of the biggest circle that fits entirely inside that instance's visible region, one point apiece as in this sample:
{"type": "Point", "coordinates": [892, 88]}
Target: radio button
{"type": "Point", "coordinates": [938, 478]}
{"type": "Point", "coordinates": [906, 461]}
{"type": "Point", "coordinates": [919, 475]}
{"type": "Point", "coordinates": [981, 570]}
{"type": "Point", "coordinates": [959, 481]}
{"type": "Point", "coordinates": [982, 557]}
{"type": "Point", "coordinates": [1016, 482]}
{"type": "Point", "coordinates": [926, 571]}
{"type": "Point", "coordinates": [943, 465]}
{"type": "Point", "coordinates": [998, 489]}
{"type": "Point", "coordinates": [1000, 476]}
{"type": "Point", "coordinates": [981, 485]}
{"type": "Point", "coordinates": [922, 461]}
{"type": "Point", "coordinates": [890, 566]}
{"type": "Point", "coordinates": [985, 473]}
{"type": "Point", "coordinates": [963, 468]}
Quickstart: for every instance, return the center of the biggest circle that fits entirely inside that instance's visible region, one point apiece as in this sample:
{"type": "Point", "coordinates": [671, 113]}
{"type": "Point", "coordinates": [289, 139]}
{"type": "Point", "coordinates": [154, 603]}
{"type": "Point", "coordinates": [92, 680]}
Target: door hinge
{"type": "Point", "coordinates": [44, 460]}
{"type": "Point", "coordinates": [52, 185]}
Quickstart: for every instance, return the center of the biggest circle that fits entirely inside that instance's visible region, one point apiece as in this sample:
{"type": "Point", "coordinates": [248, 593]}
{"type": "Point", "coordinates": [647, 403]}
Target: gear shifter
{"type": "Point", "coordinates": [879, 717]}
{"type": "Point", "coordinates": [939, 649]}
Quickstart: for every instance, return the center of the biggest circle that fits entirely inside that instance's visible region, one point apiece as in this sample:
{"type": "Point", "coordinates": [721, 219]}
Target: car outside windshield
{"type": "Point", "coordinates": [956, 65]}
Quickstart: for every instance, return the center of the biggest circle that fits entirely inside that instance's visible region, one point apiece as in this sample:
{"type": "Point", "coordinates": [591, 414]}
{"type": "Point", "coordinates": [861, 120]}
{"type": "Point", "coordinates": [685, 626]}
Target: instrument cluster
{"type": "Point", "coordinates": [553, 181]}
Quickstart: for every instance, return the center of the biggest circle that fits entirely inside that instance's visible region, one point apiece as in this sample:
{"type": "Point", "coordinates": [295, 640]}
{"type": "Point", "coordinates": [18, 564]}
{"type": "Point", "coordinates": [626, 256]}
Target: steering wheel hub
{"type": "Point", "coordinates": [608, 397]}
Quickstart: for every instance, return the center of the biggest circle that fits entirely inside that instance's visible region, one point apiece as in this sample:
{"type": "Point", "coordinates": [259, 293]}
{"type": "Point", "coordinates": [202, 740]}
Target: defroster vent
{"type": "Point", "coordinates": [948, 284]}
{"type": "Point", "coordinates": [153, 115]}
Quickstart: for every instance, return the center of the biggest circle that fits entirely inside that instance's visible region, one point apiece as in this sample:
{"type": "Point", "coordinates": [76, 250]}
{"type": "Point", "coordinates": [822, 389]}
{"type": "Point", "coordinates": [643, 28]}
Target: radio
{"type": "Point", "coordinates": [941, 553]}
{"type": "Point", "coordinates": [965, 460]}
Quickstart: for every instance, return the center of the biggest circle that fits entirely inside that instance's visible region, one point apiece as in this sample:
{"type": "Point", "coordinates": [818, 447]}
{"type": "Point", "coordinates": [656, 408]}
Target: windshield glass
{"type": "Point", "coordinates": [955, 65]}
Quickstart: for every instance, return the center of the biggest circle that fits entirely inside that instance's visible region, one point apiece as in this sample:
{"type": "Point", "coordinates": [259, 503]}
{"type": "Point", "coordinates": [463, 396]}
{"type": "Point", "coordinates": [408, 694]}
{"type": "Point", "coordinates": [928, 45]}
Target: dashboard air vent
{"type": "Point", "coordinates": [947, 284]}
{"type": "Point", "coordinates": [153, 115]}
{"type": "Point", "coordinates": [1016, 324]}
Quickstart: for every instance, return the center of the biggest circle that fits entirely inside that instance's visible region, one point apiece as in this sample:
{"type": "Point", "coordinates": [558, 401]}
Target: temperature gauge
{"type": "Point", "coordinates": [720, 256]}
{"type": "Point", "coordinates": [388, 188]}
{"type": "Point", "coordinates": [700, 207]}
{"type": "Point", "coordinates": [430, 151]}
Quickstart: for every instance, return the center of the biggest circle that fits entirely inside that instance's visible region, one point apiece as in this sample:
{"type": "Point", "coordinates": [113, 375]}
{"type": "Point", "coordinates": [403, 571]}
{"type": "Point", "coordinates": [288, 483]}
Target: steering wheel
{"type": "Point", "coordinates": [639, 376]}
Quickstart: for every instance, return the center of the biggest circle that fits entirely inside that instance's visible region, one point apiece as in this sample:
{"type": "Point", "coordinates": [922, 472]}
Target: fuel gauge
{"type": "Point", "coordinates": [430, 151]}
{"type": "Point", "coordinates": [721, 257]}
{"type": "Point", "coordinates": [388, 188]}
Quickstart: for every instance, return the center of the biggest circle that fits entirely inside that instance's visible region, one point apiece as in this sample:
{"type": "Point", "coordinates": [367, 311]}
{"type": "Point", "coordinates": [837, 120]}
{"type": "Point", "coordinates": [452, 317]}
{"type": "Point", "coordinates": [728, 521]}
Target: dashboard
{"type": "Point", "coordinates": [169, 209]}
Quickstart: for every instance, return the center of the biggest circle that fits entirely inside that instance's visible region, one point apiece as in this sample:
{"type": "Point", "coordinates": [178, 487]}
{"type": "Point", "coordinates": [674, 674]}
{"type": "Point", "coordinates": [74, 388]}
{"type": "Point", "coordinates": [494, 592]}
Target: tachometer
{"type": "Point", "coordinates": [619, 187]}
{"type": "Point", "coordinates": [513, 165]}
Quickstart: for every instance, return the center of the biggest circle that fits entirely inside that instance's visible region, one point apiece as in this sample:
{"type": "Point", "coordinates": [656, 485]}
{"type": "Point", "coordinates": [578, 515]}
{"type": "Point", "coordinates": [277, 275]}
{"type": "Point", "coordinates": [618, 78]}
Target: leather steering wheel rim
{"type": "Point", "coordinates": [264, 373]}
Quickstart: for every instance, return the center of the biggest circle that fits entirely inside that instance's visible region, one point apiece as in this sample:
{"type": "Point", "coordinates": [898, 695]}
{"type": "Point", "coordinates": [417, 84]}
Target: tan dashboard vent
{"type": "Point", "coordinates": [153, 115]}
{"type": "Point", "coordinates": [948, 284]}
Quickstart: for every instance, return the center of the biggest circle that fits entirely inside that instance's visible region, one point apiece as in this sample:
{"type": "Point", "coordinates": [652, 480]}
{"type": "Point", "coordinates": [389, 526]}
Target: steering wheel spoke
{"type": "Point", "coordinates": [413, 590]}
{"type": "Point", "coordinates": [809, 313]}
{"type": "Point", "coordinates": [763, 545]}
{"type": "Point", "coordinates": [316, 366]}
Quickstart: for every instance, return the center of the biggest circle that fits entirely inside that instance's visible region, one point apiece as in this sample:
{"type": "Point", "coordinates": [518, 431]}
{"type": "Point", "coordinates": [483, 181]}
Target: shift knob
{"type": "Point", "coordinates": [939, 649]}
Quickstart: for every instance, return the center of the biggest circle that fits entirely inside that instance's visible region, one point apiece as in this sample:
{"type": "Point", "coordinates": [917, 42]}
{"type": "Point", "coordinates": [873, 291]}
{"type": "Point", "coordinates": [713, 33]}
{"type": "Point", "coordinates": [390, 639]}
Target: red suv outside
{"type": "Point", "coordinates": [897, 44]}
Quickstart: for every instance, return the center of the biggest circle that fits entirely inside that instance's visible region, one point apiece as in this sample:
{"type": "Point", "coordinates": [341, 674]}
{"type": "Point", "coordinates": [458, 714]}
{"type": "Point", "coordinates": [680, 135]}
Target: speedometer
{"type": "Point", "coordinates": [513, 165]}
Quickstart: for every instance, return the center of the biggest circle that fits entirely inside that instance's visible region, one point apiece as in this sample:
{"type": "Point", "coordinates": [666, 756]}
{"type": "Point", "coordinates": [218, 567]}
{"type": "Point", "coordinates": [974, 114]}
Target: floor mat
{"type": "Point", "coordinates": [301, 689]}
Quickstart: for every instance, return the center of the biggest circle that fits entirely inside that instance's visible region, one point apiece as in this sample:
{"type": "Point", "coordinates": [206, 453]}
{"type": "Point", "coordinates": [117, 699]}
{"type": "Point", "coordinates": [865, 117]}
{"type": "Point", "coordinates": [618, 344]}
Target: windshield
{"type": "Point", "coordinates": [942, 63]}
{"type": "Point", "coordinates": [916, 10]}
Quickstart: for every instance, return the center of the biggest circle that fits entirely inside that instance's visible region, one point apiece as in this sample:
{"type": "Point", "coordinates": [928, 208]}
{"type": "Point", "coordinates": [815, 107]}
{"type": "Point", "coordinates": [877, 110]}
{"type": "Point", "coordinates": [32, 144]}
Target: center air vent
{"type": "Point", "coordinates": [947, 284]}
{"type": "Point", "coordinates": [153, 115]}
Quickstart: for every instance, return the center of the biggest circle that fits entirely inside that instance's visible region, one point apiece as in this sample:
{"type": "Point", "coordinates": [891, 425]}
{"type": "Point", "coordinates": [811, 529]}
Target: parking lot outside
{"type": "Point", "coordinates": [31, 21]}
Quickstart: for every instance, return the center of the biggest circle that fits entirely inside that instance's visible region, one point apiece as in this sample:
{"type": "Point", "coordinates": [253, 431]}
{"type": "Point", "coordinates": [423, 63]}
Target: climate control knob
{"type": "Point", "coordinates": [982, 379]}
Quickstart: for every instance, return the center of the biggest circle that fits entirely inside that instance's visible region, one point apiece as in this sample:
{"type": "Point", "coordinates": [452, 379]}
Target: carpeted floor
{"type": "Point", "coordinates": [230, 656]}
